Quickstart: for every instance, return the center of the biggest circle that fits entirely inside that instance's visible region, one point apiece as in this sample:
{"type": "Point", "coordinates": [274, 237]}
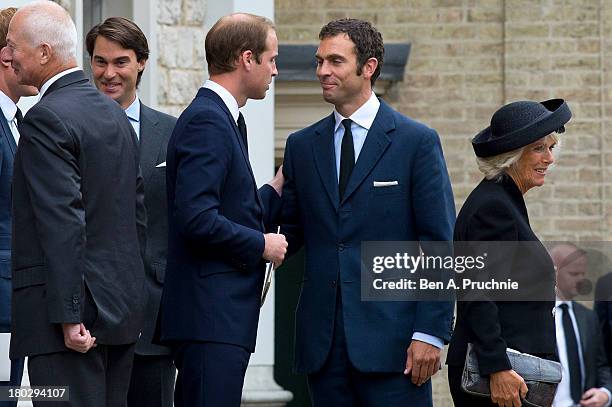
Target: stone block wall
{"type": "Point", "coordinates": [181, 62]}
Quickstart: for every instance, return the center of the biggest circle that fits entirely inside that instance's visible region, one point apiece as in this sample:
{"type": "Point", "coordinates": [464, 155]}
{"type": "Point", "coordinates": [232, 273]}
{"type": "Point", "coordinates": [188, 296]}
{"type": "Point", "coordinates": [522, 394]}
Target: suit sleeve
{"type": "Point", "coordinates": [491, 222]}
{"type": "Point", "coordinates": [602, 308]}
{"type": "Point", "coordinates": [604, 374]}
{"type": "Point", "coordinates": [434, 212]}
{"type": "Point", "coordinates": [49, 156]}
{"type": "Point", "coordinates": [273, 205]}
{"type": "Point", "coordinates": [291, 221]}
{"type": "Point", "coordinates": [204, 155]}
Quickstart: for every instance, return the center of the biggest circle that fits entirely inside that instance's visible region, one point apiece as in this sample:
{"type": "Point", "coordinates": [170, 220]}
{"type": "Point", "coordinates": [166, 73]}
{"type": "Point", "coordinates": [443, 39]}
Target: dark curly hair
{"type": "Point", "coordinates": [367, 39]}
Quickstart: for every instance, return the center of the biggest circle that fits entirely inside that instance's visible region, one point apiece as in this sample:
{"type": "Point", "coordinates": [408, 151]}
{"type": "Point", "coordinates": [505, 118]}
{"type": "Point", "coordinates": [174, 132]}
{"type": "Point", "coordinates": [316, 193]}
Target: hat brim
{"type": "Point", "coordinates": [558, 114]}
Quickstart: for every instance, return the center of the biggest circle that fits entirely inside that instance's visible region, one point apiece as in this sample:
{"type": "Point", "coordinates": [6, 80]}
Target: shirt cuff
{"type": "Point", "coordinates": [430, 339]}
{"type": "Point", "coordinates": [609, 396]}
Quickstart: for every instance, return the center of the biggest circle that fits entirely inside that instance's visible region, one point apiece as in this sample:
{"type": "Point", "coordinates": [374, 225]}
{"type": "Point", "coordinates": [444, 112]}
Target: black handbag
{"type": "Point", "coordinates": [541, 377]}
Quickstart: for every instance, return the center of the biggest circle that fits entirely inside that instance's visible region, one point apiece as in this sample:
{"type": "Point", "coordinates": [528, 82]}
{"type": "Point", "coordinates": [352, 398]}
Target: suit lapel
{"type": "Point", "coordinates": [325, 158]}
{"type": "Point", "coordinates": [8, 135]}
{"type": "Point", "coordinates": [150, 141]}
{"type": "Point", "coordinates": [376, 143]}
{"type": "Point", "coordinates": [582, 324]}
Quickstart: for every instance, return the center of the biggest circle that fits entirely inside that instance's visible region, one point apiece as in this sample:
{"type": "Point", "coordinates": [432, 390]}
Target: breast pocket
{"type": "Point", "coordinates": [388, 189]}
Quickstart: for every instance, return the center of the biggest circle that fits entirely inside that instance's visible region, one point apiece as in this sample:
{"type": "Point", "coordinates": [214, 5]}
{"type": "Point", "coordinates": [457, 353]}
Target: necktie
{"type": "Point", "coordinates": [573, 358]}
{"type": "Point", "coordinates": [243, 131]}
{"type": "Point", "coordinates": [347, 157]}
{"type": "Point", "coordinates": [19, 118]}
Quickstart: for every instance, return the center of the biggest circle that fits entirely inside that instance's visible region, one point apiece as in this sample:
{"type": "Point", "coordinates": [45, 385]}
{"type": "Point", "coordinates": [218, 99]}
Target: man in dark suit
{"type": "Point", "coordinates": [119, 53]}
{"type": "Point", "coordinates": [217, 220]}
{"type": "Point", "coordinates": [78, 214]}
{"type": "Point", "coordinates": [587, 378]}
{"type": "Point", "coordinates": [10, 93]}
{"type": "Point", "coordinates": [364, 173]}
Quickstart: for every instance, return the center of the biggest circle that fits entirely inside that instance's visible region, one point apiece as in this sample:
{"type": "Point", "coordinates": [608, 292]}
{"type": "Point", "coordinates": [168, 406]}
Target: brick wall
{"type": "Point", "coordinates": [471, 56]}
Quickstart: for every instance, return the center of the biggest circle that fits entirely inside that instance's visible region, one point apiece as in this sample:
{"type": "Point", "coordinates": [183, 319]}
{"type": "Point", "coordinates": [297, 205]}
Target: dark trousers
{"type": "Point", "coordinates": [339, 384]}
{"type": "Point", "coordinates": [98, 378]}
{"type": "Point", "coordinates": [461, 398]}
{"type": "Point", "coordinates": [210, 374]}
{"type": "Point", "coordinates": [16, 374]}
{"type": "Point", "coordinates": [152, 383]}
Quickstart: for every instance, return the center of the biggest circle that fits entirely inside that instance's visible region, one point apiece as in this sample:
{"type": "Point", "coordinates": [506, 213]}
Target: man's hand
{"type": "Point", "coordinates": [423, 361]}
{"type": "Point", "coordinates": [594, 398]}
{"type": "Point", "coordinates": [77, 338]}
{"type": "Point", "coordinates": [278, 181]}
{"type": "Point", "coordinates": [507, 388]}
{"type": "Point", "coordinates": [275, 248]}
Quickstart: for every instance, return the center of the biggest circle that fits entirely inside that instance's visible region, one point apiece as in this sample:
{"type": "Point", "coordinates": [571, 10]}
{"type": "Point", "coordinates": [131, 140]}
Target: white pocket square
{"type": "Point", "coordinates": [161, 165]}
{"type": "Point", "coordinates": [378, 184]}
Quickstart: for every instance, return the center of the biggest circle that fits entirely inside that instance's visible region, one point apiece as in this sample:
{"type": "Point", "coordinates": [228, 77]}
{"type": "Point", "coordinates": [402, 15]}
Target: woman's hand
{"type": "Point", "coordinates": [507, 388]}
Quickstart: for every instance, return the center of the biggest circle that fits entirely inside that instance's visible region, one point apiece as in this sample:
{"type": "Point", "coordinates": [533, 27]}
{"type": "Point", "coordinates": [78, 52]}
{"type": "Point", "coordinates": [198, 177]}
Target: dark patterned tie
{"type": "Point", "coordinates": [347, 157]}
{"type": "Point", "coordinates": [243, 131]}
{"type": "Point", "coordinates": [573, 358]}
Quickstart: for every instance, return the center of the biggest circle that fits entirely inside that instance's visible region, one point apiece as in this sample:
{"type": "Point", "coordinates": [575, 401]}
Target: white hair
{"type": "Point", "coordinates": [494, 167]}
{"type": "Point", "coordinates": [48, 22]}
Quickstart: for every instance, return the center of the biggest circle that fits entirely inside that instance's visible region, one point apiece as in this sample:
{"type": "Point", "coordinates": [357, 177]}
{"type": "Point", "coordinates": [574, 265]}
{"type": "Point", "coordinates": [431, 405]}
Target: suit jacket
{"type": "Point", "coordinates": [495, 211]}
{"type": "Point", "coordinates": [419, 208]}
{"type": "Point", "coordinates": [155, 130]}
{"type": "Point", "coordinates": [215, 271]}
{"type": "Point", "coordinates": [78, 213]}
{"type": "Point", "coordinates": [603, 307]}
{"type": "Point", "coordinates": [7, 153]}
{"type": "Point", "coordinates": [596, 366]}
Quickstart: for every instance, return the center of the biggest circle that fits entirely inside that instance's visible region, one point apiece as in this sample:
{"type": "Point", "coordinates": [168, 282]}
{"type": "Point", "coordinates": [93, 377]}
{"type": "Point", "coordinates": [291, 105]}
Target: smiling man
{"type": "Point", "coordinates": [119, 53]}
{"type": "Point", "coordinates": [363, 173]}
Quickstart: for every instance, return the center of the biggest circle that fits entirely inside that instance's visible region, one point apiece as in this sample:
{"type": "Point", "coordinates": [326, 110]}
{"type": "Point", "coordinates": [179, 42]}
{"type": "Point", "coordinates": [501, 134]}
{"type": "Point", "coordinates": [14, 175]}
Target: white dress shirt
{"type": "Point", "coordinates": [54, 78]}
{"type": "Point", "coordinates": [362, 120]}
{"type": "Point", "coordinates": [563, 397]}
{"type": "Point", "coordinates": [133, 113]}
{"type": "Point", "coordinates": [9, 109]}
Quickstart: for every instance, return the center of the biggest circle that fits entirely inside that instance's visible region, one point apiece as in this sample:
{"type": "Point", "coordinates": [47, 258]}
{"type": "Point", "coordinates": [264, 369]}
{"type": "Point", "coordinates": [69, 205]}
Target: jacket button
{"type": "Point", "coordinates": [341, 246]}
{"type": "Point", "coordinates": [75, 301]}
{"type": "Point", "coordinates": [333, 283]}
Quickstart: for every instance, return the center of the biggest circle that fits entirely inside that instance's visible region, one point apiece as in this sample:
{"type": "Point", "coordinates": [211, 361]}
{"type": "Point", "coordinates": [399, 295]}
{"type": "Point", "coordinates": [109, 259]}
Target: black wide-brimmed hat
{"type": "Point", "coordinates": [518, 124]}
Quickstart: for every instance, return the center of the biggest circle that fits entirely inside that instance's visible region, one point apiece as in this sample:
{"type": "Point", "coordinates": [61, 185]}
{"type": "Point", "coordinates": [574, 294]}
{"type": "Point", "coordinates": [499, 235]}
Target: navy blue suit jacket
{"type": "Point", "coordinates": [7, 153]}
{"type": "Point", "coordinates": [419, 208]}
{"type": "Point", "coordinates": [215, 271]}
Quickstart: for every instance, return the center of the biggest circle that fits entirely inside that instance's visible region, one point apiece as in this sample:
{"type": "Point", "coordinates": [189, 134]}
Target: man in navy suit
{"type": "Point", "coordinates": [217, 245]}
{"type": "Point", "coordinates": [364, 173]}
{"type": "Point", "coordinates": [10, 93]}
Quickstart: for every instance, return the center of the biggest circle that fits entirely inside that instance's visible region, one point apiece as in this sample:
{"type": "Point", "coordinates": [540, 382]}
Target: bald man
{"type": "Point", "coordinates": [78, 213]}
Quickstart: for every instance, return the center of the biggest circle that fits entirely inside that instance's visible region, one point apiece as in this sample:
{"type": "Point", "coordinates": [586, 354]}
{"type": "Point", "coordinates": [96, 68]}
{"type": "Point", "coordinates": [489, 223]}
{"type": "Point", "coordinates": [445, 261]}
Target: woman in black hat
{"type": "Point", "coordinates": [514, 154]}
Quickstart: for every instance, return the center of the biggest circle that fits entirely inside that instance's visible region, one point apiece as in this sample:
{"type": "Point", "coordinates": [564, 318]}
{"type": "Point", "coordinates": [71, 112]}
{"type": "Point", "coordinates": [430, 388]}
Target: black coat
{"type": "Point", "coordinates": [597, 369]}
{"type": "Point", "coordinates": [78, 214]}
{"type": "Point", "coordinates": [495, 211]}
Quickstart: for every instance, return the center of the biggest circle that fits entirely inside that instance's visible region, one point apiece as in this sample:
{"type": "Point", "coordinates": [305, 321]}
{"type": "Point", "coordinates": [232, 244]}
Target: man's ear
{"type": "Point", "coordinates": [369, 68]}
{"type": "Point", "coordinates": [246, 60]}
{"type": "Point", "coordinates": [45, 51]}
{"type": "Point", "coordinates": [142, 64]}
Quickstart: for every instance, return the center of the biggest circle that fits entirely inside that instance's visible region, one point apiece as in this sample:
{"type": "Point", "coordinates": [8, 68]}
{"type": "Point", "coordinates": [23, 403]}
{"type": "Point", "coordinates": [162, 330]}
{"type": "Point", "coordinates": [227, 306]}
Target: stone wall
{"type": "Point", "coordinates": [181, 62]}
{"type": "Point", "coordinates": [471, 56]}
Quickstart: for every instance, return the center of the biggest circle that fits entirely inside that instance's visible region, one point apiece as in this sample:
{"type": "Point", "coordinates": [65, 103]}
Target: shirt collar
{"type": "Point", "coordinates": [9, 109]}
{"type": "Point", "coordinates": [54, 78]}
{"type": "Point", "coordinates": [133, 110]}
{"type": "Point", "coordinates": [364, 116]}
{"type": "Point", "coordinates": [226, 96]}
